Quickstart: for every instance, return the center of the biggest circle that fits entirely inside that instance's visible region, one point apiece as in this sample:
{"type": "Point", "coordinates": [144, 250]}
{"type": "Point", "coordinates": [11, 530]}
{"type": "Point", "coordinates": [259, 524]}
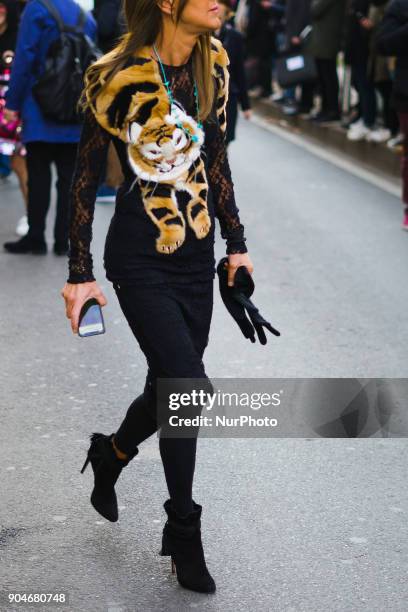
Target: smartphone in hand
{"type": "Point", "coordinates": [91, 321]}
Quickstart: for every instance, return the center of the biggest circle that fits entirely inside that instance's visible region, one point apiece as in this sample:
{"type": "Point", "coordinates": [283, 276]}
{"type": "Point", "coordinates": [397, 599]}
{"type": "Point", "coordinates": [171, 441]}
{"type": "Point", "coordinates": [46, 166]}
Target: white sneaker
{"type": "Point", "coordinates": [22, 226]}
{"type": "Point", "coordinates": [378, 135]}
{"type": "Point", "coordinates": [357, 131]}
{"type": "Point", "coordinates": [355, 124]}
{"type": "Point", "coordinates": [255, 91]}
{"type": "Point", "coordinates": [397, 141]}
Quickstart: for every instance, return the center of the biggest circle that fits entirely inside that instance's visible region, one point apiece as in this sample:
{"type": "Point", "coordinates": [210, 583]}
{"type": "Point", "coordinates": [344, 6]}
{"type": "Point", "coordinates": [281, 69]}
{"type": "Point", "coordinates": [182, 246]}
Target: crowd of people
{"type": "Point", "coordinates": [365, 40]}
{"type": "Point", "coordinates": [323, 29]}
{"type": "Point", "coordinates": [370, 37]}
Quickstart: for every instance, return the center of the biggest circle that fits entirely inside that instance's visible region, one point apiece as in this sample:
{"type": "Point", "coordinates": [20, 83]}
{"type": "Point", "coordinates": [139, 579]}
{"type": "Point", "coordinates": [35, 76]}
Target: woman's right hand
{"type": "Point", "coordinates": [75, 296]}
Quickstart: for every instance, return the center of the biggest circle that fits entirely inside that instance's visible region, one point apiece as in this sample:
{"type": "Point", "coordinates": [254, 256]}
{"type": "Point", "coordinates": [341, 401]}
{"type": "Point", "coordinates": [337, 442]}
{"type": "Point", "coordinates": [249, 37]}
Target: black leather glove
{"type": "Point", "coordinates": [237, 302]}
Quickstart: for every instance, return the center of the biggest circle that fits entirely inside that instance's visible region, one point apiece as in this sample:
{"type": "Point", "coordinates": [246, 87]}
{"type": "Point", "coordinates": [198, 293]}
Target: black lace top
{"type": "Point", "coordinates": [129, 254]}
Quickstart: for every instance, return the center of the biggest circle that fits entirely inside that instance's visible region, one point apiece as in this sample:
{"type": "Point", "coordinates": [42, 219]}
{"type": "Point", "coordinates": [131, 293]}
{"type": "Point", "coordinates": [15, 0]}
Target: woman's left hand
{"type": "Point", "coordinates": [234, 262]}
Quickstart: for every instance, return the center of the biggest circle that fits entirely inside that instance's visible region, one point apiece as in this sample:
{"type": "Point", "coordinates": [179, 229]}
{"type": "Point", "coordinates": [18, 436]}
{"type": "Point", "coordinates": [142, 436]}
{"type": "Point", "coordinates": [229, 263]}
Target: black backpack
{"type": "Point", "coordinates": [58, 89]}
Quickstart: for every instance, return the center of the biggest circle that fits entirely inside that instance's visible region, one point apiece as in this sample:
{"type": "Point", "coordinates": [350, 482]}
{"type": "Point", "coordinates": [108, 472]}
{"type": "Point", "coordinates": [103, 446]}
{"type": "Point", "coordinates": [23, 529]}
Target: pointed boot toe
{"type": "Point", "coordinates": [105, 502]}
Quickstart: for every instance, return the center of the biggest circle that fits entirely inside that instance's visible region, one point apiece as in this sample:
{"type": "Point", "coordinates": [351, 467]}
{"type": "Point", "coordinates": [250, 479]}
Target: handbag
{"type": "Point", "coordinates": [294, 69]}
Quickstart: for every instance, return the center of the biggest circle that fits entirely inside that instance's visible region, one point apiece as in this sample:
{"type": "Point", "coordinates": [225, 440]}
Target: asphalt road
{"type": "Point", "coordinates": [289, 525]}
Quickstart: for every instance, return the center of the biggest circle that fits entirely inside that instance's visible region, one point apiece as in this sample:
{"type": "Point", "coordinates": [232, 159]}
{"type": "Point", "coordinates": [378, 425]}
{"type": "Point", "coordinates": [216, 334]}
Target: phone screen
{"type": "Point", "coordinates": [91, 319]}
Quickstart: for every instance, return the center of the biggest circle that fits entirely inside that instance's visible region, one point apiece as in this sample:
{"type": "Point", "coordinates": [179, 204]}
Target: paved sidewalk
{"type": "Point", "coordinates": [288, 525]}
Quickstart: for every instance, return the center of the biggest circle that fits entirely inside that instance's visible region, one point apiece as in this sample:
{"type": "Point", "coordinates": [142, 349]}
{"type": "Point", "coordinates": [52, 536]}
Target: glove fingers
{"type": "Point", "coordinates": [247, 329]}
{"type": "Point", "coordinates": [272, 329]}
{"type": "Point", "coordinates": [261, 333]}
{"type": "Point", "coordinates": [258, 320]}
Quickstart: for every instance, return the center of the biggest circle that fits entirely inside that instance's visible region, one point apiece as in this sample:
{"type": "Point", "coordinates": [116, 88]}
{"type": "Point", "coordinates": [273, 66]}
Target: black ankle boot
{"type": "Point", "coordinates": [182, 541]}
{"type": "Point", "coordinates": [107, 468]}
{"type": "Point", "coordinates": [25, 245]}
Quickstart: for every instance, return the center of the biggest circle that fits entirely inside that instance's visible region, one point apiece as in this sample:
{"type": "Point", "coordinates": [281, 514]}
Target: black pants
{"type": "Point", "coordinates": [307, 97]}
{"type": "Point", "coordinates": [329, 85]}
{"type": "Point", "coordinates": [265, 74]}
{"type": "Point", "coordinates": [390, 116]}
{"type": "Point", "coordinates": [171, 325]}
{"type": "Point", "coordinates": [40, 156]}
{"type": "Point", "coordinates": [366, 91]}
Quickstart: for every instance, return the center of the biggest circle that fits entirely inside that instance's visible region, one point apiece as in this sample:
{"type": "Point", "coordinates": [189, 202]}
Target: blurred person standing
{"type": "Point", "coordinates": [47, 141]}
{"type": "Point", "coordinates": [11, 148]}
{"type": "Point", "coordinates": [111, 24]}
{"type": "Point", "coordinates": [381, 74]}
{"type": "Point", "coordinates": [110, 21]}
{"type": "Point", "coordinates": [233, 42]}
{"type": "Point", "coordinates": [264, 17]}
{"type": "Point", "coordinates": [297, 18]}
{"type": "Point", "coordinates": [392, 40]}
{"type": "Point", "coordinates": [327, 18]}
{"type": "Point", "coordinates": [370, 73]}
{"type": "Point", "coordinates": [357, 51]}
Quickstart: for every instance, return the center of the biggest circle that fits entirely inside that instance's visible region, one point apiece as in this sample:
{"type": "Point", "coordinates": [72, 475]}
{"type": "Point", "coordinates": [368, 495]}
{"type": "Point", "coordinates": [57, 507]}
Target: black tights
{"type": "Point", "coordinates": [171, 324]}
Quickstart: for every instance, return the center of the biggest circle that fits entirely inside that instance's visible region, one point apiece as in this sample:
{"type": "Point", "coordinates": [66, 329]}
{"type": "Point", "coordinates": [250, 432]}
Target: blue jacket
{"type": "Point", "coordinates": [37, 31]}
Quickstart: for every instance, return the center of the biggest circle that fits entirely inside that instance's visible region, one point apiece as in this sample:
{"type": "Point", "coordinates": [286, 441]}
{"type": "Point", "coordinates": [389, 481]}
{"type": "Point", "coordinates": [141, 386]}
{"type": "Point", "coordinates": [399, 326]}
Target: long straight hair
{"type": "Point", "coordinates": [144, 23]}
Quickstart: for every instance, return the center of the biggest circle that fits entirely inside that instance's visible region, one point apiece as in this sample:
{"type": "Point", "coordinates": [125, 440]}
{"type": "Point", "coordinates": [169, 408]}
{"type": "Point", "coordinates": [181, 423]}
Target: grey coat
{"type": "Point", "coordinates": [328, 23]}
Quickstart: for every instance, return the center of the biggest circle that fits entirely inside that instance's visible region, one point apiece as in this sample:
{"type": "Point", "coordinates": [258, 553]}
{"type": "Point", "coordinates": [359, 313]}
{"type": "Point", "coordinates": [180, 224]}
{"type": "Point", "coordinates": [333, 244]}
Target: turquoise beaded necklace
{"type": "Point", "coordinates": [166, 82]}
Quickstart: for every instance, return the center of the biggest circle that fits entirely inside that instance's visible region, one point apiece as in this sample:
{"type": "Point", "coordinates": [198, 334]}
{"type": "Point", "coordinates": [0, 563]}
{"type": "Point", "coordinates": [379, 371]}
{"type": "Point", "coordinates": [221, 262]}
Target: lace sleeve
{"type": "Point", "coordinates": [90, 163]}
{"type": "Point", "coordinates": [222, 187]}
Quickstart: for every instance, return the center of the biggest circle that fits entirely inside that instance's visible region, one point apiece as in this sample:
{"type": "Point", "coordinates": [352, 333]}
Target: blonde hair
{"type": "Point", "coordinates": [144, 24]}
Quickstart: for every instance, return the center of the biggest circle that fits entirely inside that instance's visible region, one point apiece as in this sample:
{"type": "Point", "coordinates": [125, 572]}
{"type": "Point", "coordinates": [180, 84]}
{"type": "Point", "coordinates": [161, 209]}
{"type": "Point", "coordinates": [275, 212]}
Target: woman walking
{"type": "Point", "coordinates": [160, 97]}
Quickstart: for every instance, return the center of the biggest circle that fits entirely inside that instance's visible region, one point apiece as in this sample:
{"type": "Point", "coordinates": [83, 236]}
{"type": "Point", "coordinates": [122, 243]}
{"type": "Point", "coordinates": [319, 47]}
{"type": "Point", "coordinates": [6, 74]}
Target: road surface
{"type": "Point", "coordinates": [289, 525]}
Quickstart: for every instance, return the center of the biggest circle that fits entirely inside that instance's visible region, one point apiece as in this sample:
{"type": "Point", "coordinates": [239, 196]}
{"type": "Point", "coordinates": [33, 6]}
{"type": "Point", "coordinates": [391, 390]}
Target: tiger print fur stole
{"type": "Point", "coordinates": [134, 107]}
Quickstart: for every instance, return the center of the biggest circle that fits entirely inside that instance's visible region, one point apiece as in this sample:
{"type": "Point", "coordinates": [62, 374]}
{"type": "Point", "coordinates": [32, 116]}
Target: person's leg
{"type": "Point", "coordinates": [332, 87]}
{"type": "Point", "coordinates": [39, 187]}
{"type": "Point", "coordinates": [321, 72]}
{"type": "Point", "coordinates": [64, 157]}
{"type": "Point", "coordinates": [307, 97]}
{"type": "Point", "coordinates": [139, 423]}
{"type": "Point", "coordinates": [19, 166]}
{"type": "Point", "coordinates": [171, 326]}
{"type": "Point", "coordinates": [366, 92]}
{"type": "Point", "coordinates": [265, 64]}
{"type": "Point", "coordinates": [179, 454]}
{"type": "Point", "coordinates": [390, 116]}
{"type": "Point", "coordinates": [403, 117]}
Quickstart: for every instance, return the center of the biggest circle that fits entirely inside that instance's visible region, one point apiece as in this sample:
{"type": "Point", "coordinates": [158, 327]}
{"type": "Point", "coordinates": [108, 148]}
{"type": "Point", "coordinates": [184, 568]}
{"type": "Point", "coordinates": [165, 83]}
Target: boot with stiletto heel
{"type": "Point", "coordinates": [182, 542]}
{"type": "Point", "coordinates": [106, 467]}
